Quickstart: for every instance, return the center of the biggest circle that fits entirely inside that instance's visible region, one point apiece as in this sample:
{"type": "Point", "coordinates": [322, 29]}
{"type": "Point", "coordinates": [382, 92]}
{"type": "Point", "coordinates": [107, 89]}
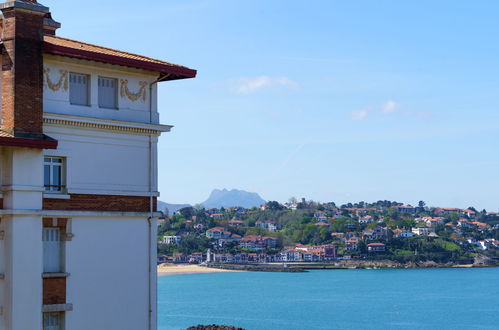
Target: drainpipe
{"type": "Point", "coordinates": [151, 207]}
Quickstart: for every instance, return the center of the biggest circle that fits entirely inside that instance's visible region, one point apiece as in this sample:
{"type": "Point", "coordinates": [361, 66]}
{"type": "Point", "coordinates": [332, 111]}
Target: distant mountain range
{"type": "Point", "coordinates": [220, 198]}
{"type": "Point", "coordinates": [227, 198]}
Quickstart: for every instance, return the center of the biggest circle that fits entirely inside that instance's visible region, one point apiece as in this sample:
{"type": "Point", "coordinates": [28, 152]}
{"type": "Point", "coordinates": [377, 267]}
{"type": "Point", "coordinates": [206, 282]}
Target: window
{"type": "Point", "coordinates": [54, 174]}
{"type": "Point", "coordinates": [53, 321]}
{"type": "Point", "coordinates": [108, 93]}
{"type": "Point", "coordinates": [52, 250]}
{"type": "Point", "coordinates": [79, 89]}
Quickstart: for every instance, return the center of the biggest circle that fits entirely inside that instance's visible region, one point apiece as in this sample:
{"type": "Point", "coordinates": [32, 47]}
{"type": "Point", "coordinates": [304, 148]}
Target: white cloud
{"type": "Point", "coordinates": [246, 85]}
{"type": "Point", "coordinates": [359, 114]}
{"type": "Point", "coordinates": [389, 107]}
{"type": "Point", "coordinates": [422, 114]}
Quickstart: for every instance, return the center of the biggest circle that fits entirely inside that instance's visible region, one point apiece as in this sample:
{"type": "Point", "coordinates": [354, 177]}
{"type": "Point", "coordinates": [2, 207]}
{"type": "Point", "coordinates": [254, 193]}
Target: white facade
{"type": "Point", "coordinates": [78, 250]}
{"type": "Point", "coordinates": [111, 281]}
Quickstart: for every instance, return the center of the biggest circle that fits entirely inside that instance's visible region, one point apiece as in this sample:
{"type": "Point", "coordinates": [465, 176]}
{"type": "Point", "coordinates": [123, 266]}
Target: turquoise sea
{"type": "Point", "coordinates": [333, 299]}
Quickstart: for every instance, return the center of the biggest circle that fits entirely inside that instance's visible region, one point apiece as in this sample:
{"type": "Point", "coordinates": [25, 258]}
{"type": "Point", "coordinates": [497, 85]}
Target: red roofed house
{"type": "Point", "coordinates": [78, 136]}
{"type": "Point", "coordinates": [217, 233]}
{"type": "Point", "coordinates": [253, 242]}
{"type": "Point", "coordinates": [351, 244]}
{"type": "Point", "coordinates": [236, 223]}
{"type": "Point", "coordinates": [399, 233]}
{"type": "Point", "coordinates": [405, 209]}
{"type": "Point", "coordinates": [376, 247]}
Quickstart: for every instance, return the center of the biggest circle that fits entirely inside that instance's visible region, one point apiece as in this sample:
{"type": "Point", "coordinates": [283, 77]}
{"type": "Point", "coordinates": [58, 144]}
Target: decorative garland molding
{"type": "Point", "coordinates": [108, 125]}
{"type": "Point", "coordinates": [126, 93]}
{"type": "Point", "coordinates": [63, 80]}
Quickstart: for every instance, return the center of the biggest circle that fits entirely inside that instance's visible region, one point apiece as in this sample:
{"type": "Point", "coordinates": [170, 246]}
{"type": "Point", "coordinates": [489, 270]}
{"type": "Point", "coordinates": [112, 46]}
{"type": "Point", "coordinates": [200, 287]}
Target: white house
{"type": "Point", "coordinates": [269, 225]}
{"type": "Point", "coordinates": [172, 239]}
{"type": "Point", "coordinates": [422, 231]}
{"type": "Point", "coordinates": [366, 219]}
{"type": "Point", "coordinates": [78, 136]}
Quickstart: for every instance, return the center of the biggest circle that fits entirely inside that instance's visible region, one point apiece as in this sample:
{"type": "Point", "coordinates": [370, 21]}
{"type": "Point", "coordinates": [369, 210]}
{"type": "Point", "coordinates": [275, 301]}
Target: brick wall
{"type": "Point", "coordinates": [80, 202]}
{"type": "Point", "coordinates": [22, 72]}
{"type": "Point", "coordinates": [59, 222]}
{"type": "Point", "coordinates": [54, 290]}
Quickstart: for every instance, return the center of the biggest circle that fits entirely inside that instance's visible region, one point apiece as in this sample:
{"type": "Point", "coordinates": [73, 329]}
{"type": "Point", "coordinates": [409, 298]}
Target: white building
{"type": "Point", "coordinates": [269, 225]}
{"type": "Point", "coordinates": [172, 239]}
{"type": "Point", "coordinates": [78, 135]}
{"type": "Point", "coordinates": [422, 231]}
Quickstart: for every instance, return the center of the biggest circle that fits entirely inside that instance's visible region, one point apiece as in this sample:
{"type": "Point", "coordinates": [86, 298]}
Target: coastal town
{"type": "Point", "coordinates": [306, 231]}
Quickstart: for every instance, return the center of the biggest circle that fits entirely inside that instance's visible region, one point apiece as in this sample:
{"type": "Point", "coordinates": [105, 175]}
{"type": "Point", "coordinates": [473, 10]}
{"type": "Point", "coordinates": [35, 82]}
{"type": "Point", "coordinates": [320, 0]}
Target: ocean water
{"type": "Point", "coordinates": [333, 299]}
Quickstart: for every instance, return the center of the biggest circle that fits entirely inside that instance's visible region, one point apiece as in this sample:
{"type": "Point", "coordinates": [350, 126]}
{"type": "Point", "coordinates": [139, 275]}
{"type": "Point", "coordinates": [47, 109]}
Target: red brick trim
{"type": "Point", "coordinates": [60, 223]}
{"type": "Point", "coordinates": [54, 291]}
{"type": "Point", "coordinates": [116, 203]}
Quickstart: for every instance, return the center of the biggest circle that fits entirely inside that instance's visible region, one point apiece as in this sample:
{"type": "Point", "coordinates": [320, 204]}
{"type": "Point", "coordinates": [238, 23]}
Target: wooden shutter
{"type": "Point", "coordinates": [52, 250]}
{"type": "Point", "coordinates": [107, 93]}
{"type": "Point", "coordinates": [78, 89]}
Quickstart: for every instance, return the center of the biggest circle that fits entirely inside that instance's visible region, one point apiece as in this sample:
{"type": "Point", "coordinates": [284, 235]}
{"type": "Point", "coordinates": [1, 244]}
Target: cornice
{"type": "Point", "coordinates": [104, 124]}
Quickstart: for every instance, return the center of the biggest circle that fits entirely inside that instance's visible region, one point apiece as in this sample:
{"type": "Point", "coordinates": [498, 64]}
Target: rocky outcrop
{"type": "Point", "coordinates": [483, 261]}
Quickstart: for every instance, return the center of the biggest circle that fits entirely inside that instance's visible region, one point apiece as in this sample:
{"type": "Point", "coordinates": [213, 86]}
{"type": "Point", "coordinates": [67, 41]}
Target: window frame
{"type": "Point", "coordinates": [115, 96]}
{"type": "Point", "coordinates": [49, 188]}
{"type": "Point", "coordinates": [89, 81]}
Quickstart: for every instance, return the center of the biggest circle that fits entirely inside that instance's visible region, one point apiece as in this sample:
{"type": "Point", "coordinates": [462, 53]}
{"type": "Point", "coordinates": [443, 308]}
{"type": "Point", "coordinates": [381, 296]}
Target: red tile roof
{"type": "Point", "coordinates": [77, 49]}
{"type": "Point", "coordinates": [216, 229]}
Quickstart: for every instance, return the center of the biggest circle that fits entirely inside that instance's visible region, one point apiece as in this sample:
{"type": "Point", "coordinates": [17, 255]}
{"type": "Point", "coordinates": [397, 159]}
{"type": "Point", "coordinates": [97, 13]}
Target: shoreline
{"type": "Point", "coordinates": [182, 269]}
{"type": "Point", "coordinates": [304, 267]}
{"type": "Point", "coordinates": [178, 269]}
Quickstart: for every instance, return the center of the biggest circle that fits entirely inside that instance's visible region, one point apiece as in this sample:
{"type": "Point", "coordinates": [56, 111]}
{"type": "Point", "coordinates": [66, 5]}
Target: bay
{"type": "Point", "coordinates": [333, 299]}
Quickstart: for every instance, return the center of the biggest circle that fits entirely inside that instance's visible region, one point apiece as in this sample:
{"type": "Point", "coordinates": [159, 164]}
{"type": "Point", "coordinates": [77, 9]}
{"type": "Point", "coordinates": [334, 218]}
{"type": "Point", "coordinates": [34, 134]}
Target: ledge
{"type": "Point", "coordinates": [56, 196]}
{"type": "Point", "coordinates": [24, 188]}
{"type": "Point", "coordinates": [54, 275]}
{"type": "Point", "coordinates": [104, 124]}
{"type": "Point", "coordinates": [57, 308]}
{"type": "Point", "coordinates": [69, 214]}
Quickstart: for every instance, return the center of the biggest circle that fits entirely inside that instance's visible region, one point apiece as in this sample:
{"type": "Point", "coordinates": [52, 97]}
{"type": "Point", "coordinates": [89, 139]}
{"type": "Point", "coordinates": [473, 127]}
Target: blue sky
{"type": "Point", "coordinates": [328, 100]}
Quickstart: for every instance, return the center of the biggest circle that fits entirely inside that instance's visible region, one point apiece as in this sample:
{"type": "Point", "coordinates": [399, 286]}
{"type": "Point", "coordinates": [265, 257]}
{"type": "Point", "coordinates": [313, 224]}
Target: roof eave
{"type": "Point", "coordinates": [170, 72]}
{"type": "Point", "coordinates": [29, 143]}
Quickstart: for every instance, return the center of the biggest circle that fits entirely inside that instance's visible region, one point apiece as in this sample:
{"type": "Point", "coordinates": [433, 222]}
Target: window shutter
{"type": "Point", "coordinates": [51, 250]}
{"type": "Point", "coordinates": [78, 89]}
{"type": "Point", "coordinates": [107, 93]}
{"type": "Point", "coordinates": [52, 321]}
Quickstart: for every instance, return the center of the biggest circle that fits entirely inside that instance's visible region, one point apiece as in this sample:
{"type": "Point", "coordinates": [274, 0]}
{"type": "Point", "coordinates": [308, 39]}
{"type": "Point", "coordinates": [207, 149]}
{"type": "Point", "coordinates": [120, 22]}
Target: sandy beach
{"type": "Point", "coordinates": [170, 269]}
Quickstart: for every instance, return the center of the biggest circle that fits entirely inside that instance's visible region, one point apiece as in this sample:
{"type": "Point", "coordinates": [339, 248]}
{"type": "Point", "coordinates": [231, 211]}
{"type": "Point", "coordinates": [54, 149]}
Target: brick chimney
{"type": "Point", "coordinates": [22, 28]}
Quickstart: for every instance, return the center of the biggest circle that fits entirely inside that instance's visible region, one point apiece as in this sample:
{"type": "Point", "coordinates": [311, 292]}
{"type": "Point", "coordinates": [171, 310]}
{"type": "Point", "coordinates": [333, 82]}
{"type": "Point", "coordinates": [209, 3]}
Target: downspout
{"type": "Point", "coordinates": [151, 207]}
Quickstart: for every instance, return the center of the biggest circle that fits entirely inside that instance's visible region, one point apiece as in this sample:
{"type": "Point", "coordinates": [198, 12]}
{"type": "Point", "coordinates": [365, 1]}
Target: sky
{"type": "Point", "coordinates": [338, 101]}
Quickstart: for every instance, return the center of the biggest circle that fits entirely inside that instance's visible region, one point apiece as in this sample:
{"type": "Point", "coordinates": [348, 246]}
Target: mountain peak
{"type": "Point", "coordinates": [227, 198]}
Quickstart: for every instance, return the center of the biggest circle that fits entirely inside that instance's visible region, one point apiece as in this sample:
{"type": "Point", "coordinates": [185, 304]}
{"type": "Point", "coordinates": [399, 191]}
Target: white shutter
{"type": "Point", "coordinates": [78, 89]}
{"type": "Point", "coordinates": [52, 321]}
{"type": "Point", "coordinates": [107, 92]}
{"type": "Point", "coordinates": [51, 250]}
